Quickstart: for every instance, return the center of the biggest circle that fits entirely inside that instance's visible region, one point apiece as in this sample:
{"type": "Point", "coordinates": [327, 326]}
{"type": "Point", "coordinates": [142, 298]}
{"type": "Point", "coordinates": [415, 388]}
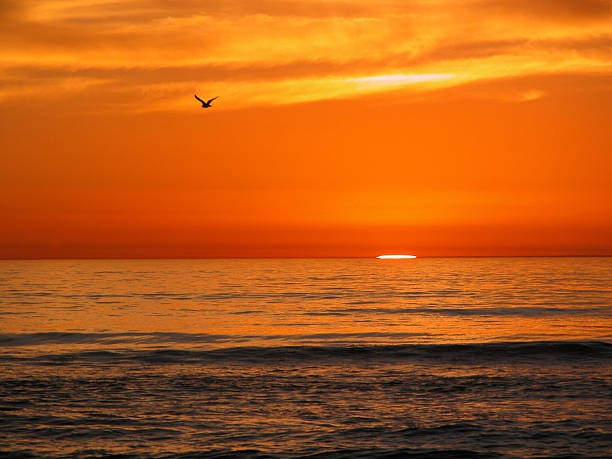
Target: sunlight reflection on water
{"type": "Point", "coordinates": [313, 301]}
{"type": "Point", "coordinates": [343, 358]}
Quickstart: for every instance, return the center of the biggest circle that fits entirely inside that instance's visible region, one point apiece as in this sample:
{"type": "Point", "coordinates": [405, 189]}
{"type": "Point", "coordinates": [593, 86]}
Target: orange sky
{"type": "Point", "coordinates": [343, 128]}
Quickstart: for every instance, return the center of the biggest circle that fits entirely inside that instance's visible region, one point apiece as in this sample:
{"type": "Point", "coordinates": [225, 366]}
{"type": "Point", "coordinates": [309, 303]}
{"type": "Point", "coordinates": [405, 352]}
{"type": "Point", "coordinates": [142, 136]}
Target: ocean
{"type": "Point", "coordinates": [322, 358]}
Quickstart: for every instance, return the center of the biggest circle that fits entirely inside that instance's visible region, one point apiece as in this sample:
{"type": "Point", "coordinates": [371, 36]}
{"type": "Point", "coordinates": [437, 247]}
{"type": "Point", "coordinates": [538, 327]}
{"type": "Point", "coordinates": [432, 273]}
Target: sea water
{"type": "Point", "coordinates": [425, 358]}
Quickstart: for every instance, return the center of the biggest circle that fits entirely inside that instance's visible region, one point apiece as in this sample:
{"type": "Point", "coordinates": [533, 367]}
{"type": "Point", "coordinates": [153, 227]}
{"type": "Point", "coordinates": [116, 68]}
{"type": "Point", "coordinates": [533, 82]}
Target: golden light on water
{"type": "Point", "coordinates": [394, 257]}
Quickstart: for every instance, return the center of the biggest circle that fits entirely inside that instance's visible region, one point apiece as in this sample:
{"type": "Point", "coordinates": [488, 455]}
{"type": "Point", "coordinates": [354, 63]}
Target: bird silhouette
{"type": "Point", "coordinates": [205, 104]}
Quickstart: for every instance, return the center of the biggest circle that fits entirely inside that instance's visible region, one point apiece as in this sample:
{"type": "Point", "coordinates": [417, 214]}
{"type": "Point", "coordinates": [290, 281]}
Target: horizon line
{"type": "Point", "coordinates": [299, 258]}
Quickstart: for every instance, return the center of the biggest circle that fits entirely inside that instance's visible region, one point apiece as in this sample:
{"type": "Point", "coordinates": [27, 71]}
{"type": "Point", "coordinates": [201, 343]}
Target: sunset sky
{"type": "Point", "coordinates": [342, 128]}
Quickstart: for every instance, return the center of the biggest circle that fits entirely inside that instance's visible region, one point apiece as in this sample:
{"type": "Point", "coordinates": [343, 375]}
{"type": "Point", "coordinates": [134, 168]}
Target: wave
{"type": "Point", "coordinates": [349, 453]}
{"type": "Point", "coordinates": [42, 338]}
{"type": "Point", "coordinates": [526, 311]}
{"type": "Point", "coordinates": [495, 352]}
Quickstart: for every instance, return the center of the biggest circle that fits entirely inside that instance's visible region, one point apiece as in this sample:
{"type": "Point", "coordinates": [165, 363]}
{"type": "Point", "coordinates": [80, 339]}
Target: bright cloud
{"type": "Point", "coordinates": [293, 51]}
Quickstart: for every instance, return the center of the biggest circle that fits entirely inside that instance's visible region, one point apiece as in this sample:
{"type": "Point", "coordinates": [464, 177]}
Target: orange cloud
{"type": "Point", "coordinates": [151, 52]}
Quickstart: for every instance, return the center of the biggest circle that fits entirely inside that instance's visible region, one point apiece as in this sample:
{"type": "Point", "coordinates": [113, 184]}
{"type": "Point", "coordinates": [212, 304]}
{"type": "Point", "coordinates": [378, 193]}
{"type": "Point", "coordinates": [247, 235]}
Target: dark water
{"type": "Point", "coordinates": [425, 358]}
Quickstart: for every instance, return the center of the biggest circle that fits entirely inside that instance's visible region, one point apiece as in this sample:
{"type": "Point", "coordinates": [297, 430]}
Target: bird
{"type": "Point", "coordinates": [205, 104]}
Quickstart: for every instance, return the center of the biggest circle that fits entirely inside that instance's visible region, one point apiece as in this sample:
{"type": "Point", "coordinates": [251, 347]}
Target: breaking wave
{"type": "Point", "coordinates": [468, 353]}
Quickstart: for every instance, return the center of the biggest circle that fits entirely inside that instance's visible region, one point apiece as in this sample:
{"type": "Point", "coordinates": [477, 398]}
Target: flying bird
{"type": "Point", "coordinates": [205, 104]}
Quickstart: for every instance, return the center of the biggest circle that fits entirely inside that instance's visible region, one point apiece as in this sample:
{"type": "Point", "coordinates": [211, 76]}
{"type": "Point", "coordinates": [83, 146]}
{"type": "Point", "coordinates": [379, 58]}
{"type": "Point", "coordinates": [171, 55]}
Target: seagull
{"type": "Point", "coordinates": [205, 104]}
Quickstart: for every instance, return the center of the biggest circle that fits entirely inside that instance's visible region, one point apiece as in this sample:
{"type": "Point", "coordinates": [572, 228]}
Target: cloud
{"type": "Point", "coordinates": [532, 94]}
{"type": "Point", "coordinates": [552, 10]}
{"type": "Point", "coordinates": [138, 11]}
{"type": "Point", "coordinates": [155, 50]}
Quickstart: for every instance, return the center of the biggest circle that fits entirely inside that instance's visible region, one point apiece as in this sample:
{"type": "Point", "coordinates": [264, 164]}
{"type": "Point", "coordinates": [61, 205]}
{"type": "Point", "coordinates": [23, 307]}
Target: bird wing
{"type": "Point", "coordinates": [208, 102]}
{"type": "Point", "coordinates": [195, 95]}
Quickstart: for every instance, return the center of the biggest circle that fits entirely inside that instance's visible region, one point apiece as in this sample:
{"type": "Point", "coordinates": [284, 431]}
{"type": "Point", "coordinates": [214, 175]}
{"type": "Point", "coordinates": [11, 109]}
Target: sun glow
{"type": "Point", "coordinates": [401, 78]}
{"type": "Point", "coordinates": [398, 79]}
{"type": "Point", "coordinates": [394, 257]}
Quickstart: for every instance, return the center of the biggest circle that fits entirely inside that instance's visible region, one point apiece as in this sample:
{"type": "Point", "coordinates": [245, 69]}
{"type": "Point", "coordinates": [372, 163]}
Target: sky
{"type": "Point", "coordinates": [342, 128]}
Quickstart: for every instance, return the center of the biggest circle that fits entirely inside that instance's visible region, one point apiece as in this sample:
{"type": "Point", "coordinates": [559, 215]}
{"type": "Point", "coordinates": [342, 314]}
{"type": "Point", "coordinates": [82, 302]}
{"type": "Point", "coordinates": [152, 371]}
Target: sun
{"type": "Point", "coordinates": [394, 257]}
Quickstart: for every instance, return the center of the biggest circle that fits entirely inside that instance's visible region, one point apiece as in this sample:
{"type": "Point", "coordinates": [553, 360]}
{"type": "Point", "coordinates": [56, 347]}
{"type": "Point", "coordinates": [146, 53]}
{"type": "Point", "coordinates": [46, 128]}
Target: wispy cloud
{"type": "Point", "coordinates": [552, 10]}
{"type": "Point", "coordinates": [532, 94]}
{"type": "Point", "coordinates": [288, 51]}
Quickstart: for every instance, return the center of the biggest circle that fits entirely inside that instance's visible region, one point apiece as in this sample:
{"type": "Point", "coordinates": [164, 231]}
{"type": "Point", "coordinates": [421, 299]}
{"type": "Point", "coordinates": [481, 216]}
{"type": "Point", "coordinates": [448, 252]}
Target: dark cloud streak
{"type": "Point", "coordinates": [551, 10]}
{"type": "Point", "coordinates": [601, 46]}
